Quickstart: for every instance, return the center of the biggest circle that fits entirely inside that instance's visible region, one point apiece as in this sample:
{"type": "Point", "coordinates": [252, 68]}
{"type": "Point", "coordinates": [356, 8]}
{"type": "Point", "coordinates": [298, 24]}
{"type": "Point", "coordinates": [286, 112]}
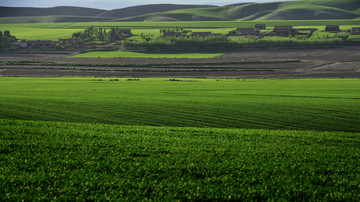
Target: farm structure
{"type": "Point", "coordinates": [355, 30]}
{"type": "Point", "coordinates": [172, 34]}
{"type": "Point", "coordinates": [20, 44]}
{"type": "Point", "coordinates": [35, 44]}
{"type": "Point", "coordinates": [247, 31]}
{"type": "Point", "coordinates": [332, 28]}
{"type": "Point", "coordinates": [285, 31]}
{"type": "Point", "coordinates": [125, 32]}
{"type": "Point", "coordinates": [75, 42]}
{"type": "Point", "coordinates": [308, 32]}
{"type": "Point", "coordinates": [87, 36]}
{"type": "Point", "coordinates": [260, 26]}
{"type": "Point", "coordinates": [122, 34]}
{"type": "Point", "coordinates": [201, 34]}
{"type": "Point", "coordinates": [66, 41]}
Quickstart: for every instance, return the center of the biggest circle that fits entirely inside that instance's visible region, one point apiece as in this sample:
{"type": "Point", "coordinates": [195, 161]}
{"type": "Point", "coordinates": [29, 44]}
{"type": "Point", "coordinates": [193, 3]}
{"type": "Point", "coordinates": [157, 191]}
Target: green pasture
{"type": "Point", "coordinates": [55, 31]}
{"type": "Point", "coordinates": [85, 162]}
{"type": "Point", "coordinates": [128, 54]}
{"type": "Point", "coordinates": [287, 104]}
{"type": "Point", "coordinates": [185, 24]}
{"type": "Point", "coordinates": [39, 33]}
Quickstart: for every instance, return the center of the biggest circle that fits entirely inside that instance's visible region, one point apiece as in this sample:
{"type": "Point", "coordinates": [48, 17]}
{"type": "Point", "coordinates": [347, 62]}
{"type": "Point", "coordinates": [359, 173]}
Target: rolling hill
{"type": "Point", "coordinates": [294, 10]}
{"type": "Point", "coordinates": [61, 10]}
{"type": "Point", "coordinates": [146, 9]}
{"type": "Point", "coordinates": [288, 10]}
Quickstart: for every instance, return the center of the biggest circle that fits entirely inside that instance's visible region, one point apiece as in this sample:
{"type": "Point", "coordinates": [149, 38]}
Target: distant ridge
{"type": "Point", "coordinates": [285, 10]}
{"type": "Point", "coordinates": [147, 9]}
{"type": "Point", "coordinates": [60, 10]}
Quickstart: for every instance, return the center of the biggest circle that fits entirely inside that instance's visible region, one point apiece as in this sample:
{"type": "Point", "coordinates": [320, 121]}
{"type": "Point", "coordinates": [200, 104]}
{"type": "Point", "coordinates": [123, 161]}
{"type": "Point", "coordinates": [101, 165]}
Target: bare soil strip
{"type": "Point", "coordinates": [299, 63]}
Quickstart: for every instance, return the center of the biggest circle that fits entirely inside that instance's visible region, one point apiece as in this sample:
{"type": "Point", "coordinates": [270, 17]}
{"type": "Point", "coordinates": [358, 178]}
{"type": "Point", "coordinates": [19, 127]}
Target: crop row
{"type": "Point", "coordinates": [67, 161]}
{"type": "Point", "coordinates": [310, 104]}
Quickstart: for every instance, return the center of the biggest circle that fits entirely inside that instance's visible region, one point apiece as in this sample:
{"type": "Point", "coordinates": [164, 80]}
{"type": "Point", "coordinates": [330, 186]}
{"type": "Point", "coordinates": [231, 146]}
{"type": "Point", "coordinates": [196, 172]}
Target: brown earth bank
{"type": "Point", "coordinates": [298, 63]}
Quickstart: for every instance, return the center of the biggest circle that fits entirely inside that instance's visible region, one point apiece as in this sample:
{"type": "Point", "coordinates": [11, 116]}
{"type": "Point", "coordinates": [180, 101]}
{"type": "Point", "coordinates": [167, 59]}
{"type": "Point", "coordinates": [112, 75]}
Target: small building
{"type": "Point", "coordinates": [87, 36]}
{"type": "Point", "coordinates": [201, 34]}
{"type": "Point", "coordinates": [40, 44]}
{"type": "Point", "coordinates": [285, 31]}
{"type": "Point", "coordinates": [260, 26]}
{"type": "Point", "coordinates": [125, 32]}
{"type": "Point", "coordinates": [21, 44]}
{"type": "Point", "coordinates": [306, 31]}
{"type": "Point", "coordinates": [172, 34]}
{"type": "Point", "coordinates": [355, 30]}
{"type": "Point", "coordinates": [332, 28]}
{"type": "Point", "coordinates": [232, 33]}
{"type": "Point", "coordinates": [65, 41]}
{"type": "Point", "coordinates": [247, 31]}
{"type": "Point", "coordinates": [14, 38]}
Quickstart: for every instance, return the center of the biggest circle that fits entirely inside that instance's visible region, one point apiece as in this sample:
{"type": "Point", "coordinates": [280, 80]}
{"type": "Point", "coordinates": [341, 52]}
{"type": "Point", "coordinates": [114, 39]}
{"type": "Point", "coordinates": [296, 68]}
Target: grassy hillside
{"type": "Point", "coordinates": [67, 161]}
{"type": "Point", "coordinates": [53, 19]}
{"type": "Point", "coordinates": [291, 10]}
{"type": "Point", "coordinates": [321, 9]}
{"type": "Point", "coordinates": [58, 14]}
{"type": "Point", "coordinates": [171, 17]}
{"type": "Point", "coordinates": [230, 12]}
{"type": "Point", "coordinates": [146, 9]}
{"type": "Point", "coordinates": [61, 10]}
{"type": "Point", "coordinates": [310, 104]}
{"type": "Point", "coordinates": [294, 10]}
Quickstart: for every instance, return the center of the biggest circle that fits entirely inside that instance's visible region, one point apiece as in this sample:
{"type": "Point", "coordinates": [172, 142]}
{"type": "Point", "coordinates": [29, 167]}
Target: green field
{"type": "Point", "coordinates": [97, 139]}
{"type": "Point", "coordinates": [67, 161]}
{"type": "Point", "coordinates": [296, 104]}
{"type": "Point", "coordinates": [180, 139]}
{"type": "Point", "coordinates": [127, 54]}
{"type": "Point", "coordinates": [55, 31]}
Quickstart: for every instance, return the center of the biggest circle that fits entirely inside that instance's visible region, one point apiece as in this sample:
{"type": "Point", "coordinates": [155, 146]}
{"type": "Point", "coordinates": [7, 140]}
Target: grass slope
{"type": "Point", "coordinates": [146, 9]}
{"type": "Point", "coordinates": [127, 54]}
{"type": "Point", "coordinates": [309, 10]}
{"type": "Point", "coordinates": [52, 19]}
{"type": "Point", "coordinates": [67, 161]}
{"type": "Point", "coordinates": [60, 10]}
{"type": "Point", "coordinates": [292, 104]}
{"type": "Point", "coordinates": [292, 10]}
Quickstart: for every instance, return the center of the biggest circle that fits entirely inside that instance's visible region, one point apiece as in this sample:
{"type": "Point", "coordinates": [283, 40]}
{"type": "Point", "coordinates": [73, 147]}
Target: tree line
{"type": "Point", "coordinates": [6, 40]}
{"type": "Point", "coordinates": [97, 34]}
{"type": "Point", "coordinates": [223, 43]}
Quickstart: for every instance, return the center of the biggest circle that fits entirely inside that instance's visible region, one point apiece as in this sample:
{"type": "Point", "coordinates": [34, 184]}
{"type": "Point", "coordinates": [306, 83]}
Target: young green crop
{"type": "Point", "coordinates": [301, 104]}
{"type": "Point", "coordinates": [128, 54]}
{"type": "Point", "coordinates": [66, 161]}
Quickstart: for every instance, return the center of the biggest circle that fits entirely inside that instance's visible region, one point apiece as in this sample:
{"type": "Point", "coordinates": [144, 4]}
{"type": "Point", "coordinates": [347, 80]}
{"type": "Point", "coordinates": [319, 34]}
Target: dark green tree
{"type": "Point", "coordinates": [6, 40]}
